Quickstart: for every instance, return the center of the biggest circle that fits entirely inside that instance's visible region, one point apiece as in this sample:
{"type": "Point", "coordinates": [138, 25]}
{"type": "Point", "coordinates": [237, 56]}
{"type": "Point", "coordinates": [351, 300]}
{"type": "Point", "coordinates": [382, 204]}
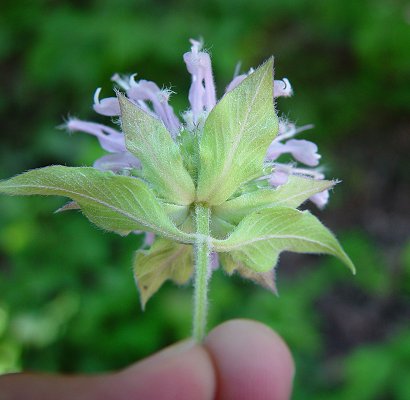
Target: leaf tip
{"type": "Point", "coordinates": [352, 268]}
{"type": "Point", "coordinates": [348, 262]}
{"type": "Point", "coordinates": [72, 205]}
{"type": "Point", "coordinates": [143, 303]}
{"type": "Point", "coordinates": [143, 297]}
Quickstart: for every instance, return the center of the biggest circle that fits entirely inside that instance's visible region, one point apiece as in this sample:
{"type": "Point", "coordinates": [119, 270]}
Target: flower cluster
{"type": "Point", "coordinates": [210, 188]}
{"type": "Point", "coordinates": [202, 98]}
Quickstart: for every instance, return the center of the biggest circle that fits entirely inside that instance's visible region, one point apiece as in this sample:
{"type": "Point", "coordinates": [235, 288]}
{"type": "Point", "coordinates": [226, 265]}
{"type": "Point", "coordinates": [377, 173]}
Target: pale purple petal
{"type": "Point", "coordinates": [149, 238]}
{"type": "Point", "coordinates": [108, 106]}
{"type": "Point", "coordinates": [235, 82]}
{"type": "Point", "coordinates": [117, 162]}
{"type": "Point", "coordinates": [143, 91]}
{"type": "Point", "coordinates": [213, 263]}
{"type": "Point", "coordinates": [202, 94]}
{"type": "Point", "coordinates": [285, 127]}
{"type": "Point", "coordinates": [306, 172]}
{"type": "Point", "coordinates": [282, 88]}
{"type": "Point", "coordinates": [320, 199]}
{"type": "Point", "coordinates": [121, 81]}
{"type": "Point", "coordinates": [303, 151]}
{"type": "Point", "coordinates": [275, 149]}
{"type": "Point", "coordinates": [195, 97]}
{"type": "Point", "coordinates": [167, 114]}
{"type": "Point", "coordinates": [110, 139]}
{"type": "Point", "coordinates": [278, 178]}
{"type": "Point", "coordinates": [288, 130]}
{"type": "Point", "coordinates": [214, 260]}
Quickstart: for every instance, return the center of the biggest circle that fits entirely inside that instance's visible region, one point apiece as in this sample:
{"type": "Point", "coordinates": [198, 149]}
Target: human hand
{"type": "Point", "coordinates": [240, 359]}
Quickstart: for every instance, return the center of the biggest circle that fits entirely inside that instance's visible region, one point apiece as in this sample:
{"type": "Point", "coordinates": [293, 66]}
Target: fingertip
{"type": "Point", "coordinates": [182, 371]}
{"type": "Point", "coordinates": [251, 361]}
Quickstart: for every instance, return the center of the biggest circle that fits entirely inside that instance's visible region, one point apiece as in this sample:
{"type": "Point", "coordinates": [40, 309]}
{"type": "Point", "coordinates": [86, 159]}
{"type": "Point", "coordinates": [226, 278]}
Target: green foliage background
{"type": "Point", "coordinates": [67, 297]}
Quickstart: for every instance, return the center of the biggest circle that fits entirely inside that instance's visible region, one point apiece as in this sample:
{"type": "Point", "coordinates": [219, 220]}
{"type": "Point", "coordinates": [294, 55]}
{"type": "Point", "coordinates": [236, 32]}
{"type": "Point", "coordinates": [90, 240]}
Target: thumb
{"type": "Point", "coordinates": [239, 360]}
{"type": "Point", "coordinates": [183, 371]}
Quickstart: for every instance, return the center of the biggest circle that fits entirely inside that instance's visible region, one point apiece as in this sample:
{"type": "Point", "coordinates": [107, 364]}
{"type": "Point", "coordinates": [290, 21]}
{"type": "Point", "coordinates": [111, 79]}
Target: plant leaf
{"type": "Point", "coordinates": [147, 138]}
{"type": "Point", "coordinates": [112, 202]}
{"type": "Point", "coordinates": [236, 136]}
{"type": "Point", "coordinates": [292, 194]}
{"type": "Point", "coordinates": [263, 235]}
{"type": "Point", "coordinates": [265, 279]}
{"type": "Point", "coordinates": [220, 228]}
{"type": "Point", "coordinates": [164, 260]}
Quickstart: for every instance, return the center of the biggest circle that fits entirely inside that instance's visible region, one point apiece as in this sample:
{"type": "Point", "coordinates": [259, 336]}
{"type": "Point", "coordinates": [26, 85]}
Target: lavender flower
{"type": "Point", "coordinates": [202, 99]}
{"type": "Point", "coordinates": [202, 95]}
{"type": "Point", "coordinates": [303, 151]}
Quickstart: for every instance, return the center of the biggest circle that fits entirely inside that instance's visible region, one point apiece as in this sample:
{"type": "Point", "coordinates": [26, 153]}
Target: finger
{"type": "Point", "coordinates": [172, 374]}
{"type": "Point", "coordinates": [183, 371]}
{"type": "Point", "coordinates": [251, 362]}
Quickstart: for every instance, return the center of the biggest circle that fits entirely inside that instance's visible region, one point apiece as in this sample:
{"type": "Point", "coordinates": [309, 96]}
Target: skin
{"type": "Point", "coordinates": [240, 359]}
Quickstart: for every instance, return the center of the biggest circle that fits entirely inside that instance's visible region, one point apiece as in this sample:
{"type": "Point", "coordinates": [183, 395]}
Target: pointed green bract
{"type": "Point", "coordinates": [188, 146]}
{"type": "Point", "coordinates": [147, 138]}
{"type": "Point", "coordinates": [116, 203]}
{"type": "Point", "coordinates": [292, 194]}
{"type": "Point", "coordinates": [298, 189]}
{"type": "Point", "coordinates": [177, 213]}
{"type": "Point", "coordinates": [265, 279]}
{"type": "Point", "coordinates": [263, 235]}
{"type": "Point", "coordinates": [164, 260]}
{"type": "Point", "coordinates": [236, 136]}
{"type": "Point", "coordinates": [220, 228]}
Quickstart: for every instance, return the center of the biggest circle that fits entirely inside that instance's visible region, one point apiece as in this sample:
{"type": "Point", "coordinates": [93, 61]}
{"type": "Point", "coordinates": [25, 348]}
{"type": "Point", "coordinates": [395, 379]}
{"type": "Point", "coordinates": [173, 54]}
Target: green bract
{"type": "Point", "coordinates": [164, 260]}
{"type": "Point", "coordinates": [262, 235]}
{"type": "Point", "coordinates": [199, 192]}
{"type": "Point", "coordinates": [116, 203]}
{"type": "Point", "coordinates": [236, 136]}
{"type": "Point", "coordinates": [147, 138]}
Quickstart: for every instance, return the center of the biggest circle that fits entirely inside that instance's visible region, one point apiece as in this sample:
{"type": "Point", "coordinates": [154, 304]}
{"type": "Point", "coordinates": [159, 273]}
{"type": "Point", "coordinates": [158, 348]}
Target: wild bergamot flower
{"type": "Point", "coordinates": [208, 189]}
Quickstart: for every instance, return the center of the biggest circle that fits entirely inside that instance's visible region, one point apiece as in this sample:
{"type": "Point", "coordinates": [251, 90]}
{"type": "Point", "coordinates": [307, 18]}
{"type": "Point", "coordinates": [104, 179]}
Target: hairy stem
{"type": "Point", "coordinates": [202, 255]}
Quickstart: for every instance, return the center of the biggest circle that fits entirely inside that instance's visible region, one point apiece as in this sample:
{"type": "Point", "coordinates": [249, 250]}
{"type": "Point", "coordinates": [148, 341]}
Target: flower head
{"type": "Point", "coordinates": [209, 188]}
{"type": "Point", "coordinates": [202, 99]}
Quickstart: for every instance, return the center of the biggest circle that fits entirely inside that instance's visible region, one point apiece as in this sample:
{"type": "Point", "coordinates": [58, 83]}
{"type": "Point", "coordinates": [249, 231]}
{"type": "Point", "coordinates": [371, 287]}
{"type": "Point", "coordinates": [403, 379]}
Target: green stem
{"type": "Point", "coordinates": [202, 253]}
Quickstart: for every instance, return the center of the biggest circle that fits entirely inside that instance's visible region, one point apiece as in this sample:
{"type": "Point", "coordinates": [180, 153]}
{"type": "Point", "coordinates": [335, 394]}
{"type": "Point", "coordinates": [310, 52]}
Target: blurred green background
{"type": "Point", "coordinates": [67, 296]}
